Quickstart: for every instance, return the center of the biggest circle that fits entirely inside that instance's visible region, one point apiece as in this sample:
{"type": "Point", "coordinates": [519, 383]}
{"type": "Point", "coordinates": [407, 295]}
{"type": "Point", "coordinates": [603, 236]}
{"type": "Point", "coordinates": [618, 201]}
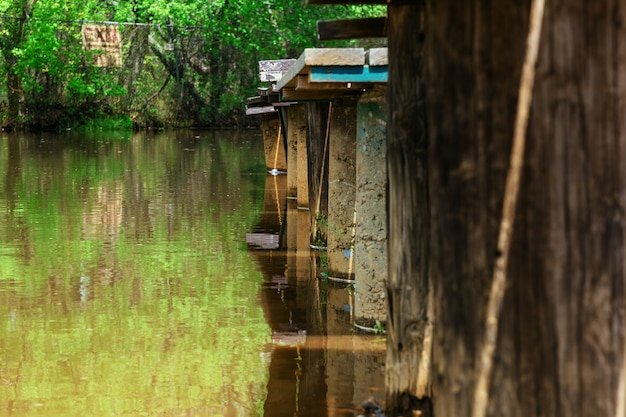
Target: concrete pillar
{"type": "Point", "coordinates": [275, 156]}
{"type": "Point", "coordinates": [296, 128]}
{"type": "Point", "coordinates": [317, 155]}
{"type": "Point", "coordinates": [371, 208]}
{"type": "Point", "coordinates": [342, 188]}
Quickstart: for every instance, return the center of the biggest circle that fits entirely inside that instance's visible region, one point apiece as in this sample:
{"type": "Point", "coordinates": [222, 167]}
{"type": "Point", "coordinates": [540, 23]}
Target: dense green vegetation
{"type": "Point", "coordinates": [187, 62]}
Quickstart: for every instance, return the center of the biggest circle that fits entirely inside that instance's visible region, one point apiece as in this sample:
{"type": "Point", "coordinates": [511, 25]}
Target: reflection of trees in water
{"type": "Point", "coordinates": [175, 186]}
{"type": "Point", "coordinates": [136, 274]}
{"type": "Point", "coordinates": [191, 180]}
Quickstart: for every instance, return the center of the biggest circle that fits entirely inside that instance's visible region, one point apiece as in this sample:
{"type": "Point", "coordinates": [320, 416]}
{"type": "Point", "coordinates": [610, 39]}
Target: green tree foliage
{"type": "Point", "coordinates": [184, 62]}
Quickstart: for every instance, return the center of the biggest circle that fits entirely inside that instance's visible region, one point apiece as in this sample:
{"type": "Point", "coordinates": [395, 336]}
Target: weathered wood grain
{"type": "Point", "coordinates": [409, 322]}
{"type": "Point", "coordinates": [377, 57]}
{"type": "Point", "coordinates": [560, 348]}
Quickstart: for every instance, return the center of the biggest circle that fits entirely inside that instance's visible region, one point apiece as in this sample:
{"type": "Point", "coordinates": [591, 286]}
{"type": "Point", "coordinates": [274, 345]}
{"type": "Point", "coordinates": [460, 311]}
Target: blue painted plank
{"type": "Point", "coordinates": [352, 74]}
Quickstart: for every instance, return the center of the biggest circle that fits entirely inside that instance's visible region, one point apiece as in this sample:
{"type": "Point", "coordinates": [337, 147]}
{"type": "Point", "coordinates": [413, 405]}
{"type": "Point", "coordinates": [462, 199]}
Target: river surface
{"type": "Point", "coordinates": [166, 275]}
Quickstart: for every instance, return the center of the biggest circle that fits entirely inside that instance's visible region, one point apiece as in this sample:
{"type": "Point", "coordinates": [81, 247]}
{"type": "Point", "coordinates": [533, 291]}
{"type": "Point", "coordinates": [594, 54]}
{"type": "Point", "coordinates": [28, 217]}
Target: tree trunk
{"type": "Point", "coordinates": [188, 89]}
{"type": "Point", "coordinates": [409, 329]}
{"type": "Point", "coordinates": [133, 64]}
{"type": "Point", "coordinates": [560, 345]}
{"type": "Point", "coordinates": [11, 40]}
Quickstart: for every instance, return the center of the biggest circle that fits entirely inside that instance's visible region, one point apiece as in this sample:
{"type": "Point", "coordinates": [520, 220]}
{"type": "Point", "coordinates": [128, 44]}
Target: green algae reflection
{"type": "Point", "coordinates": [125, 288]}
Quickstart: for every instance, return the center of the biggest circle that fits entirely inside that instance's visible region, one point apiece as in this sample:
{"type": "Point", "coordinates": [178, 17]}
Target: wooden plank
{"type": "Point", "coordinates": [371, 27]}
{"type": "Point", "coordinates": [303, 83]}
{"type": "Point", "coordinates": [364, 74]}
{"type": "Point", "coordinates": [334, 56]}
{"type": "Point", "coordinates": [251, 101]}
{"type": "Point", "coordinates": [322, 57]}
{"type": "Point", "coordinates": [284, 103]}
{"type": "Point", "coordinates": [376, 57]}
{"type": "Point", "coordinates": [273, 70]}
{"type": "Point", "coordinates": [313, 95]}
{"type": "Point", "coordinates": [251, 111]}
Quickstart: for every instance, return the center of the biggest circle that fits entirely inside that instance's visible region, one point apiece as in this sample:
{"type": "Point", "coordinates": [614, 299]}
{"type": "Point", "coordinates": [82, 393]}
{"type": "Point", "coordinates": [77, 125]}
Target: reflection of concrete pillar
{"type": "Point", "coordinates": [275, 157]}
{"type": "Point", "coordinates": [274, 203]}
{"type": "Point", "coordinates": [342, 188]}
{"type": "Point", "coordinates": [303, 248]}
{"type": "Point", "coordinates": [369, 370]}
{"type": "Point", "coordinates": [296, 126]}
{"type": "Point", "coordinates": [292, 240]}
{"type": "Point", "coordinates": [371, 227]}
{"type": "Point", "coordinates": [292, 226]}
{"type": "Point", "coordinates": [339, 353]}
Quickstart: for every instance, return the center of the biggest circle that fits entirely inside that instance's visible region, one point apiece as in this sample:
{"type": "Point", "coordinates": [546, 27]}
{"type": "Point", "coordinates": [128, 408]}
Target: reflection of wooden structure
{"type": "Point", "coordinates": [328, 156]}
{"type": "Point", "coordinates": [306, 332]}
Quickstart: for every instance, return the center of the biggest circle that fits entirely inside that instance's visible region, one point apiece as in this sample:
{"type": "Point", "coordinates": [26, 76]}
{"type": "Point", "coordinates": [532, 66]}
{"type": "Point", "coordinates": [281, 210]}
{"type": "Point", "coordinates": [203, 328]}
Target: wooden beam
{"type": "Point", "coordinates": [376, 57]}
{"type": "Point", "coordinates": [303, 83]}
{"type": "Point", "coordinates": [321, 56]}
{"type": "Point", "coordinates": [251, 101]}
{"type": "Point", "coordinates": [372, 27]}
{"type": "Point", "coordinates": [363, 74]}
{"type": "Point", "coordinates": [314, 95]}
{"type": "Point", "coordinates": [250, 111]}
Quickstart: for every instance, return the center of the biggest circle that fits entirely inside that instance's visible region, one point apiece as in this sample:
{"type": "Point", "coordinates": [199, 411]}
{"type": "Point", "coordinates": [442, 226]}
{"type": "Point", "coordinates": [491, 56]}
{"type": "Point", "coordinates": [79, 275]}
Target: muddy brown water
{"type": "Point", "coordinates": [166, 275]}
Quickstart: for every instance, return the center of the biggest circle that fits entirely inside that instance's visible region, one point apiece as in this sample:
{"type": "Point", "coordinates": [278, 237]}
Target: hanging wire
{"type": "Point", "coordinates": [81, 21]}
{"type": "Point", "coordinates": [98, 22]}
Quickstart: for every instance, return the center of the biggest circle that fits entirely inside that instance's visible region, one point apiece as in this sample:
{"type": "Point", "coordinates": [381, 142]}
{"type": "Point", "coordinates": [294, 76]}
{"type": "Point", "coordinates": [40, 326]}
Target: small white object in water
{"type": "Point", "coordinates": [273, 171]}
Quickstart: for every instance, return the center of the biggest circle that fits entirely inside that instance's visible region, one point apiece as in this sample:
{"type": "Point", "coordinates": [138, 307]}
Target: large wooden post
{"type": "Point", "coordinates": [409, 328]}
{"type": "Point", "coordinates": [560, 345]}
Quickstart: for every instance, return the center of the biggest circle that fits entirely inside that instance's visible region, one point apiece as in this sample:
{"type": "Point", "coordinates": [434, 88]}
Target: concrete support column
{"type": "Point", "coordinates": [371, 208]}
{"type": "Point", "coordinates": [299, 171]}
{"type": "Point", "coordinates": [296, 127]}
{"type": "Point", "coordinates": [275, 156]}
{"type": "Point", "coordinates": [342, 188]}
